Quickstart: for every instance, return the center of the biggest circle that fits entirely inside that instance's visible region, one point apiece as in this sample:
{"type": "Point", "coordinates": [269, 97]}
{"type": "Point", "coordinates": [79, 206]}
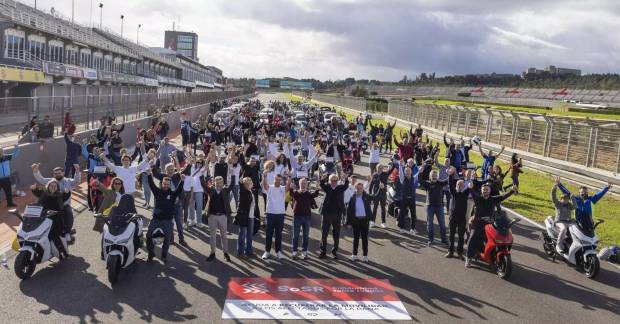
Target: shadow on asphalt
{"type": "Point", "coordinates": [157, 301]}
{"type": "Point", "coordinates": [548, 283]}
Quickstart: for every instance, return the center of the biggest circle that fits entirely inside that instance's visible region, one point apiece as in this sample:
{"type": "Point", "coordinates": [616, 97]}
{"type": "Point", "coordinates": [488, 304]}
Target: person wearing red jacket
{"type": "Point", "coordinates": [68, 126]}
{"type": "Point", "coordinates": [405, 150]}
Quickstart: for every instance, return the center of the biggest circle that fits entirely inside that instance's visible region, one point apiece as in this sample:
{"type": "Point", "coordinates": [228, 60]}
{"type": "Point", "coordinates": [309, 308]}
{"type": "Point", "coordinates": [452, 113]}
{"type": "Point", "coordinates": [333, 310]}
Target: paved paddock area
{"type": "Point", "coordinates": [188, 288]}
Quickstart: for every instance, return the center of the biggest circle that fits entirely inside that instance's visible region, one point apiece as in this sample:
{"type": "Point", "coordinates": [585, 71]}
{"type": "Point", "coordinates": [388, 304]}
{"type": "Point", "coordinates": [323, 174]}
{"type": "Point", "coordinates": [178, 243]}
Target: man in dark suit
{"type": "Point", "coordinates": [358, 217]}
{"type": "Point", "coordinates": [332, 210]}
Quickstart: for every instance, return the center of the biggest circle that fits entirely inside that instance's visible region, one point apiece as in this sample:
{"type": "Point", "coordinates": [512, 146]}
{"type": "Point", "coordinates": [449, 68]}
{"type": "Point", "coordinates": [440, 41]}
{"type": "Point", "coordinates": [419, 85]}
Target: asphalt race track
{"type": "Point", "coordinates": [433, 289]}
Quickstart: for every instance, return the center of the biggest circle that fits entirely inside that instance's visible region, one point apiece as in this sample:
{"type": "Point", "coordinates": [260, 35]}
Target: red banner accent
{"type": "Point", "coordinates": [311, 289]}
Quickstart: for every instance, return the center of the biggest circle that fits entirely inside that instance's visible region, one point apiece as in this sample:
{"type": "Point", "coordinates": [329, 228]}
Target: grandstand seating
{"type": "Point", "coordinates": [597, 96]}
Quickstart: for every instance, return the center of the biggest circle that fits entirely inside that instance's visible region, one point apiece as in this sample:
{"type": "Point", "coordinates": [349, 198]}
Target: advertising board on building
{"type": "Point", "coordinates": [20, 75]}
{"type": "Point", "coordinates": [73, 71]}
{"type": "Point", "coordinates": [89, 74]}
{"type": "Point", "coordinates": [54, 68]}
{"type": "Point", "coordinates": [106, 76]}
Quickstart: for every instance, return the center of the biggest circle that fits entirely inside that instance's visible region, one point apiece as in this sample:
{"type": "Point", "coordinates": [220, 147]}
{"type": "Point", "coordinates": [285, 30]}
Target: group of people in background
{"type": "Point", "coordinates": [223, 167]}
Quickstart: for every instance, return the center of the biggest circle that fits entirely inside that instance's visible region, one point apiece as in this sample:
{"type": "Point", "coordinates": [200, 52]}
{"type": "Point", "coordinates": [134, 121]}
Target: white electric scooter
{"type": "Point", "coordinates": [119, 244]}
{"type": "Point", "coordinates": [35, 246]}
{"type": "Point", "coordinates": [580, 244]}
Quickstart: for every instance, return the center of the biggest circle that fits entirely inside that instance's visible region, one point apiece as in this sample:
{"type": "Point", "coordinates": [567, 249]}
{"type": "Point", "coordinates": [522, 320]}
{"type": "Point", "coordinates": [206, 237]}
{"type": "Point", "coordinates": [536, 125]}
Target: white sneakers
{"type": "Point", "coordinates": [266, 255]}
{"type": "Point", "coordinates": [413, 232]}
{"type": "Point", "coordinates": [402, 231]}
{"type": "Point", "coordinates": [372, 224]}
{"type": "Point", "coordinates": [304, 255]}
{"type": "Point", "coordinates": [279, 255]}
{"type": "Point", "coordinates": [190, 223]}
{"type": "Point", "coordinates": [383, 225]}
{"type": "Point", "coordinates": [467, 263]}
{"type": "Point", "coordinates": [200, 225]}
{"type": "Point", "coordinates": [294, 254]}
{"type": "Point", "coordinates": [353, 258]}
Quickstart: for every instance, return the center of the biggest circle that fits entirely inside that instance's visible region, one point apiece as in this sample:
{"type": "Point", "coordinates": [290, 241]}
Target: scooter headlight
{"type": "Point", "coordinates": [123, 241]}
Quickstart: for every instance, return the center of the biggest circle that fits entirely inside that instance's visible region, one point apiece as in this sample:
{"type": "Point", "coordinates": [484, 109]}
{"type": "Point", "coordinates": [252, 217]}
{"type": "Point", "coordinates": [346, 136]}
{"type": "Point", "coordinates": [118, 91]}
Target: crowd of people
{"type": "Point", "coordinates": [224, 166]}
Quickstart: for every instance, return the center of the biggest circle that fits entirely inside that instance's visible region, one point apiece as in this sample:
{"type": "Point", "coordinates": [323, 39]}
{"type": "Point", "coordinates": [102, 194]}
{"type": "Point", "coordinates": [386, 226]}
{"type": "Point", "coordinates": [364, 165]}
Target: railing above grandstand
{"type": "Point", "coordinates": [33, 18]}
{"type": "Point", "coordinates": [138, 49]}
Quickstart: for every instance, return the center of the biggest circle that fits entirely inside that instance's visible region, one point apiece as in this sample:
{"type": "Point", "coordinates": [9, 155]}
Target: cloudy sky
{"type": "Point", "coordinates": [378, 39]}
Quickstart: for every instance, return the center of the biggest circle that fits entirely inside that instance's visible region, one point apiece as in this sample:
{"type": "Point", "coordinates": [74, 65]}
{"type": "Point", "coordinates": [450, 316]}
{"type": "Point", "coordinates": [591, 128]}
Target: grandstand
{"type": "Point", "coordinates": [50, 65]}
{"type": "Point", "coordinates": [529, 96]}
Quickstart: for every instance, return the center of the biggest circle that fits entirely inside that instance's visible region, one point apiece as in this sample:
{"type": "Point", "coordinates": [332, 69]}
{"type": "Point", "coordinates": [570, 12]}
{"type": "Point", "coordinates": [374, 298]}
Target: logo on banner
{"type": "Point", "coordinates": [315, 299]}
{"type": "Point", "coordinates": [254, 288]}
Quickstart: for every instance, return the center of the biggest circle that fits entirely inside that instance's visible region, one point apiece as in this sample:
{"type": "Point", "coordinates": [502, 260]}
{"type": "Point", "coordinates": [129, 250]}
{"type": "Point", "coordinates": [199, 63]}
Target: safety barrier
{"type": "Point", "coordinates": [579, 142]}
{"type": "Point", "coordinates": [51, 153]}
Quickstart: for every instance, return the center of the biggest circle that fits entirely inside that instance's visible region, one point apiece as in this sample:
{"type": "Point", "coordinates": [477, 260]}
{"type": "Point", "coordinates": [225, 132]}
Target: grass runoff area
{"type": "Point", "coordinates": [534, 198]}
{"type": "Point", "coordinates": [548, 111]}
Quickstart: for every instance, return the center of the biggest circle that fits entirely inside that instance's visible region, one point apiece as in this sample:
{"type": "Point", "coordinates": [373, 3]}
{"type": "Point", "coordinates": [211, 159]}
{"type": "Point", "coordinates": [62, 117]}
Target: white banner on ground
{"type": "Point", "coordinates": [287, 299]}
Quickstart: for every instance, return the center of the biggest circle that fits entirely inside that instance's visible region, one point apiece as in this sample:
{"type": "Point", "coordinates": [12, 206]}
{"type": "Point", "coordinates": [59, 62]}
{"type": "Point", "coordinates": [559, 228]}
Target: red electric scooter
{"type": "Point", "coordinates": [497, 245]}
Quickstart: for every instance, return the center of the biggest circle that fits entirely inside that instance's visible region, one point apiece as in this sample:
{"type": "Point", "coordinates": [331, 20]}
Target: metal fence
{"type": "Point", "coordinates": [587, 142]}
{"type": "Point", "coordinates": [349, 102]}
{"type": "Point", "coordinates": [86, 110]}
{"type": "Point", "coordinates": [591, 143]}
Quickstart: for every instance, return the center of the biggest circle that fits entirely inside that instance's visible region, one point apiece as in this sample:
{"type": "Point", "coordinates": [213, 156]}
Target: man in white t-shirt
{"type": "Point", "coordinates": [274, 213]}
{"type": "Point", "coordinates": [128, 173]}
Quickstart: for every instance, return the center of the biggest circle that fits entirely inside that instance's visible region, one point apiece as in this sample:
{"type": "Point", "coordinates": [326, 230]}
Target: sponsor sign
{"type": "Point", "coordinates": [151, 82]}
{"type": "Point", "coordinates": [12, 74]}
{"type": "Point", "coordinates": [89, 74]}
{"type": "Point", "coordinates": [313, 299]}
{"type": "Point", "coordinates": [73, 71]}
{"type": "Point", "coordinates": [120, 78]}
{"type": "Point", "coordinates": [54, 68]}
{"type": "Point", "coordinates": [106, 76]}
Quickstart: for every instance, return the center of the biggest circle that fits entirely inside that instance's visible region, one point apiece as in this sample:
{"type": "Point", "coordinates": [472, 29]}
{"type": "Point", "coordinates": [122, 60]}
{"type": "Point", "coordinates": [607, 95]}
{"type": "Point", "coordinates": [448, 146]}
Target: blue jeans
{"type": "Point", "coordinates": [244, 242]}
{"type": "Point", "coordinates": [304, 223]}
{"type": "Point", "coordinates": [275, 223]}
{"type": "Point", "coordinates": [430, 212]}
{"type": "Point", "coordinates": [235, 194]}
{"type": "Point", "coordinates": [196, 212]}
{"type": "Point", "coordinates": [146, 188]}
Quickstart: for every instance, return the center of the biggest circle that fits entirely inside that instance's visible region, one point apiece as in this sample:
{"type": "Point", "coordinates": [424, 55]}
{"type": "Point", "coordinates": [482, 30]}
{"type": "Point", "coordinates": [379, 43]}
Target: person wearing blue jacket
{"type": "Point", "coordinates": [583, 203]}
{"type": "Point", "coordinates": [5, 174]}
{"type": "Point", "coordinates": [406, 187]}
{"type": "Point", "coordinates": [74, 150]}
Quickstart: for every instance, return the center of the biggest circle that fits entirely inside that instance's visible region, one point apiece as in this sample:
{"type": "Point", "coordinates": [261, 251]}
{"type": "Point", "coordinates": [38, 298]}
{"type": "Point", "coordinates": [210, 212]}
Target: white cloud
{"type": "Point", "coordinates": [334, 39]}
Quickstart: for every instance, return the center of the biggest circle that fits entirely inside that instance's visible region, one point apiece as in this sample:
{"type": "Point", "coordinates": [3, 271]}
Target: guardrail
{"type": "Point", "coordinates": [576, 144]}
{"type": "Point", "coordinates": [51, 153]}
{"type": "Point", "coordinates": [86, 110]}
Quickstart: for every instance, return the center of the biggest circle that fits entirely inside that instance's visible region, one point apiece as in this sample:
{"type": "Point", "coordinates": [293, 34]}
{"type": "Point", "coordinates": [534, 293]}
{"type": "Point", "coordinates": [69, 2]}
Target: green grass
{"type": "Point", "coordinates": [534, 198]}
{"type": "Point", "coordinates": [580, 114]}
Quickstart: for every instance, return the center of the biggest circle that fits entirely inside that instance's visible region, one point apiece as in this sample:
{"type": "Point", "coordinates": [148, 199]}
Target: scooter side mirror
{"type": "Point", "coordinates": [599, 222]}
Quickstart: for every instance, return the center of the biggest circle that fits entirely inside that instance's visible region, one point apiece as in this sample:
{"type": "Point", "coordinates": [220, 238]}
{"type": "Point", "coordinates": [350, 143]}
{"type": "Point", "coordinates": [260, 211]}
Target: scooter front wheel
{"type": "Point", "coordinates": [114, 268]}
{"type": "Point", "coordinates": [24, 267]}
{"type": "Point", "coordinates": [592, 266]}
{"type": "Point", "coordinates": [504, 266]}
